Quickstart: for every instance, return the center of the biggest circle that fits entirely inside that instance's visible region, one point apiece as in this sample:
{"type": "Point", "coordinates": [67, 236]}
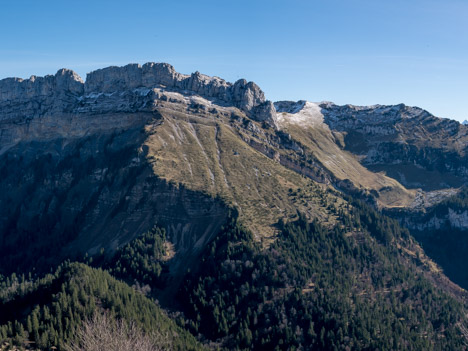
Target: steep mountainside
{"type": "Point", "coordinates": [305, 122]}
{"type": "Point", "coordinates": [107, 158]}
{"type": "Point", "coordinates": [266, 211]}
{"type": "Point", "coordinates": [407, 143]}
{"type": "Point", "coordinates": [442, 229]}
{"type": "Point", "coordinates": [89, 165]}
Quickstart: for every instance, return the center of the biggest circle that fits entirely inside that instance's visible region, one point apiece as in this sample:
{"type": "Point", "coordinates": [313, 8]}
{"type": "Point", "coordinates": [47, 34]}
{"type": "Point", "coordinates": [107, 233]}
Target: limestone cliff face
{"type": "Point", "coordinates": [22, 100]}
{"type": "Point", "coordinates": [64, 82]}
{"type": "Point", "coordinates": [408, 143]}
{"type": "Point", "coordinates": [242, 94]}
{"type": "Point", "coordinates": [452, 219]}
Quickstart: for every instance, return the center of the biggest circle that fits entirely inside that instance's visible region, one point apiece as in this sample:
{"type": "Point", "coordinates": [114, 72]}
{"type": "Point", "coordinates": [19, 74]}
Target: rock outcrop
{"type": "Point", "coordinates": [264, 113]}
{"type": "Point", "coordinates": [64, 82]}
{"type": "Point", "coordinates": [247, 96]}
{"type": "Point", "coordinates": [407, 143]}
{"type": "Point", "coordinates": [457, 219]}
{"type": "Point", "coordinates": [22, 100]}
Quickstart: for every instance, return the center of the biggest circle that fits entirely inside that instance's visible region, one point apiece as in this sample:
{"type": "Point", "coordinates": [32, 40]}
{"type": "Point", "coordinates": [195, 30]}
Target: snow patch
{"type": "Point", "coordinates": [309, 115]}
{"type": "Point", "coordinates": [187, 99]}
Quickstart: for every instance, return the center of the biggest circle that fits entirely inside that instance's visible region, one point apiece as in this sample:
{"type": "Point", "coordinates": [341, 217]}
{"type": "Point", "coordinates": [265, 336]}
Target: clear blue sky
{"type": "Point", "coordinates": [346, 51]}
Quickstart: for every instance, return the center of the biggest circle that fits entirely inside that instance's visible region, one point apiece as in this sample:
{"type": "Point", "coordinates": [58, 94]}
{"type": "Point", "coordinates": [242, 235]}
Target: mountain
{"type": "Point", "coordinates": [101, 150]}
{"type": "Point", "coordinates": [407, 143]}
{"type": "Point", "coordinates": [465, 122]}
{"type": "Point", "coordinates": [237, 214]}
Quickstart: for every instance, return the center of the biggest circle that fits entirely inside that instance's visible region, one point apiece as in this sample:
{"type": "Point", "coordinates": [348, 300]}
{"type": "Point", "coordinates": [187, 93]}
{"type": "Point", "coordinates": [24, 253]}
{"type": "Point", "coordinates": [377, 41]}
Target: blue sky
{"type": "Point", "coordinates": [347, 51]}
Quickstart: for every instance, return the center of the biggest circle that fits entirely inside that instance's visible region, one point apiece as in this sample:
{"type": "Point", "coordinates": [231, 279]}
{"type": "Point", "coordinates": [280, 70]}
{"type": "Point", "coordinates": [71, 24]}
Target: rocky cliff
{"type": "Point", "coordinates": [407, 143]}
{"type": "Point", "coordinates": [87, 166]}
{"type": "Point", "coordinates": [22, 100]}
{"type": "Point", "coordinates": [107, 158]}
{"type": "Point", "coordinates": [75, 164]}
{"type": "Point", "coordinates": [127, 88]}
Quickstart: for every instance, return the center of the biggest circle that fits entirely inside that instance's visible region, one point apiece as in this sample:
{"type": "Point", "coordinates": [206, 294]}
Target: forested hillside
{"type": "Point", "coordinates": [319, 289]}
{"type": "Point", "coordinates": [50, 311]}
{"type": "Point", "coordinates": [350, 286]}
{"type": "Point", "coordinates": [151, 208]}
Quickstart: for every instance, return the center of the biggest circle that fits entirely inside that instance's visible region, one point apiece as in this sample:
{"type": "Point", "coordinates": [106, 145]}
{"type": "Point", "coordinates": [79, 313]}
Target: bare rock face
{"type": "Point", "coordinates": [263, 113]}
{"type": "Point", "coordinates": [63, 82]}
{"type": "Point", "coordinates": [247, 95]}
{"type": "Point", "coordinates": [453, 218]}
{"type": "Point", "coordinates": [132, 76]}
{"type": "Point", "coordinates": [242, 94]}
{"type": "Point", "coordinates": [407, 143]}
{"type": "Point", "coordinates": [29, 98]}
{"type": "Point", "coordinates": [22, 100]}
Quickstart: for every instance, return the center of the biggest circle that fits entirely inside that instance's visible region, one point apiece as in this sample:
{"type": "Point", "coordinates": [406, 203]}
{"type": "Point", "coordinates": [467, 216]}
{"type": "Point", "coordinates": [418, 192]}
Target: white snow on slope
{"type": "Point", "coordinates": [309, 115]}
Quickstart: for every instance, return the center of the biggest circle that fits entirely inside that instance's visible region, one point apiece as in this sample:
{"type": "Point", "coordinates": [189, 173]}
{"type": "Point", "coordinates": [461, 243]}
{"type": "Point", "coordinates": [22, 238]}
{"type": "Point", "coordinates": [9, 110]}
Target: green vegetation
{"type": "Point", "coordinates": [49, 311]}
{"type": "Point", "coordinates": [317, 289]}
{"type": "Point", "coordinates": [346, 286]}
{"type": "Point", "coordinates": [141, 260]}
{"type": "Point", "coordinates": [449, 248]}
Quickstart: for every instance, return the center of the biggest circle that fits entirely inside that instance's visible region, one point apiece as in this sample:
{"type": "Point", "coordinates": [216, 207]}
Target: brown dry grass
{"type": "Point", "coordinates": [206, 154]}
{"type": "Point", "coordinates": [324, 145]}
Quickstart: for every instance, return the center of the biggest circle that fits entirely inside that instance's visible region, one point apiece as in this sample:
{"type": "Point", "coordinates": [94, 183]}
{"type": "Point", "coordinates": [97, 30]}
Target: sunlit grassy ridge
{"type": "Point", "coordinates": [324, 145]}
{"type": "Point", "coordinates": [209, 155]}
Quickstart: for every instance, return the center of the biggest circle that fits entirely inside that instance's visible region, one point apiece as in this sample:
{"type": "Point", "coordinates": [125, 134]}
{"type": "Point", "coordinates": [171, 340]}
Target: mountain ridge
{"type": "Point", "coordinates": [139, 89]}
{"type": "Point", "coordinates": [322, 148]}
{"type": "Point", "coordinates": [285, 199]}
{"type": "Point", "coordinates": [247, 96]}
{"type": "Point", "coordinates": [195, 127]}
{"type": "Point", "coordinates": [68, 87]}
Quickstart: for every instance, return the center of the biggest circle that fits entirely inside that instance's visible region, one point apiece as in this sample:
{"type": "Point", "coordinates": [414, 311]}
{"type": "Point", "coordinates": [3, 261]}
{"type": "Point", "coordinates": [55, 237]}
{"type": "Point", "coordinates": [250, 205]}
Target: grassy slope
{"type": "Point", "coordinates": [206, 154]}
{"type": "Point", "coordinates": [324, 145]}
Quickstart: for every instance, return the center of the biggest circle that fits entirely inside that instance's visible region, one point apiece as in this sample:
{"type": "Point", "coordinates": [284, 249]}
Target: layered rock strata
{"type": "Point", "coordinates": [130, 86]}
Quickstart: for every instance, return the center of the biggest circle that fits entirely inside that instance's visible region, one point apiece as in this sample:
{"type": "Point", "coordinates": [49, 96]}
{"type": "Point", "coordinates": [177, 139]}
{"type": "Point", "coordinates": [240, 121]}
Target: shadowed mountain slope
{"type": "Point", "coordinates": [273, 211]}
